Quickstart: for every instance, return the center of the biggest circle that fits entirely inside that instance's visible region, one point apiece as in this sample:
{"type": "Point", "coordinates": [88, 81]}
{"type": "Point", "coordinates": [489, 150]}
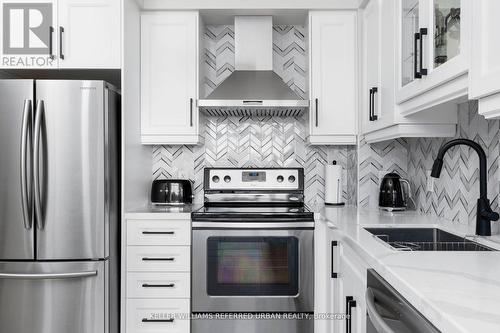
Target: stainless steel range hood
{"type": "Point", "coordinates": [253, 89]}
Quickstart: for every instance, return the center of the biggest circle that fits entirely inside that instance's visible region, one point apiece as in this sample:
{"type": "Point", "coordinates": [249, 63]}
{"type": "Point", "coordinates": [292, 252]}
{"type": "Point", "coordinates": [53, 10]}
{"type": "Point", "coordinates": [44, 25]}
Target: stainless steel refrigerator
{"type": "Point", "coordinates": [59, 206]}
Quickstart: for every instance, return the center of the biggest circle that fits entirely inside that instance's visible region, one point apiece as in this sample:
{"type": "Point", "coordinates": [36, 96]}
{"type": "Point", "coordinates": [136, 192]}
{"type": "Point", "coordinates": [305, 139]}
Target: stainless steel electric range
{"type": "Point", "coordinates": [253, 253]}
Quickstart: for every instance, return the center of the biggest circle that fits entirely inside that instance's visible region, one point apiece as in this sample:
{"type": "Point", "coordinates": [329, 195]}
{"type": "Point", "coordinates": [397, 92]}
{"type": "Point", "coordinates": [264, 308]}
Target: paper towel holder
{"type": "Point", "coordinates": [337, 188]}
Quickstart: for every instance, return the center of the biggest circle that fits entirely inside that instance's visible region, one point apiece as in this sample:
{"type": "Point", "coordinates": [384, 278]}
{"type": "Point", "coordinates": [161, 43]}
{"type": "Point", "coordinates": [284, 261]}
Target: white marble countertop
{"type": "Point", "coordinates": [456, 291]}
{"type": "Point", "coordinates": [162, 212]}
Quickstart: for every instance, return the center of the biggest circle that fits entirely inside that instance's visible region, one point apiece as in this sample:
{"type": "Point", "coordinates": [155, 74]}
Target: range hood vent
{"type": "Point", "coordinates": [253, 89]}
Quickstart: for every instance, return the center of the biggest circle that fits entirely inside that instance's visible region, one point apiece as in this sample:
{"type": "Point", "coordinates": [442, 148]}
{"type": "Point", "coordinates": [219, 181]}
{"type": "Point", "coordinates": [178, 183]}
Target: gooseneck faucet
{"type": "Point", "coordinates": [484, 213]}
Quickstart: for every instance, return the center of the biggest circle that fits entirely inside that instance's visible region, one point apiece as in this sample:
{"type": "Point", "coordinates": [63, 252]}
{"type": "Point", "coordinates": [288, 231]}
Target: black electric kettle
{"type": "Point", "coordinates": [394, 193]}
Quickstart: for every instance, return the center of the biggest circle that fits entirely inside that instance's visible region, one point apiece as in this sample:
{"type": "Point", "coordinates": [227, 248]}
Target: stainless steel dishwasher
{"type": "Point", "coordinates": [388, 312]}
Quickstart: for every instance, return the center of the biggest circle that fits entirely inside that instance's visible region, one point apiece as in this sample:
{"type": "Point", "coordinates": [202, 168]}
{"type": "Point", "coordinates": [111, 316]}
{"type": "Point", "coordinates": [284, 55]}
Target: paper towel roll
{"type": "Point", "coordinates": [333, 184]}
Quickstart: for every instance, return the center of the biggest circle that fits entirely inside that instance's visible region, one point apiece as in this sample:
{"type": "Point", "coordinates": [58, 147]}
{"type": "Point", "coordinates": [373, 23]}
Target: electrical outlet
{"type": "Point", "coordinates": [430, 181]}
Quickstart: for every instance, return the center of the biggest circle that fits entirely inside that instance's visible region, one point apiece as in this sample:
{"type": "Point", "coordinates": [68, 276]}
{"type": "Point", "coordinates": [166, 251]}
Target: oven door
{"type": "Point", "coordinates": [253, 270]}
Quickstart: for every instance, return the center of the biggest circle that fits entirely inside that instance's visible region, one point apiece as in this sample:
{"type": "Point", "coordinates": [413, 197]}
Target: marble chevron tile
{"type": "Point", "coordinates": [456, 191]}
{"type": "Point", "coordinates": [374, 161]}
{"type": "Point", "coordinates": [257, 142]}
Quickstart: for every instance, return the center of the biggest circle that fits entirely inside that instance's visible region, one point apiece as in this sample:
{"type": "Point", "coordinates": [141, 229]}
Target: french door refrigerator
{"type": "Point", "coordinates": [59, 206]}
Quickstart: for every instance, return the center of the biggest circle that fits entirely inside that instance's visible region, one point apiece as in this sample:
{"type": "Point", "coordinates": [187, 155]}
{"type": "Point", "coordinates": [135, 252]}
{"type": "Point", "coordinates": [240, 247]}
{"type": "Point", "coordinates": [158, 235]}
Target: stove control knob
{"type": "Point", "coordinates": [291, 179]}
{"type": "Point", "coordinates": [215, 179]}
{"type": "Point", "coordinates": [227, 179]}
{"type": "Point", "coordinates": [280, 179]}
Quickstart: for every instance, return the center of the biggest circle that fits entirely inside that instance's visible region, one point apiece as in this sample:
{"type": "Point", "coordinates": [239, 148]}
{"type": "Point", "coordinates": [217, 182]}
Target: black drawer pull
{"type": "Point", "coordinates": [349, 304]}
{"type": "Point", "coordinates": [157, 259]}
{"type": "Point", "coordinates": [145, 320]}
{"type": "Point", "coordinates": [170, 285]}
{"type": "Point", "coordinates": [374, 116]}
{"type": "Point", "coordinates": [334, 274]}
{"type": "Point", "coordinates": [158, 232]}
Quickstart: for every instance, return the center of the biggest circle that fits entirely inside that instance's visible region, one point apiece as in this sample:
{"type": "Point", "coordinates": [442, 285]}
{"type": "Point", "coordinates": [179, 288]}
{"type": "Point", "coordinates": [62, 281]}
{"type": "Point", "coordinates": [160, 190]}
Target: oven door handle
{"type": "Point", "coordinates": [251, 225]}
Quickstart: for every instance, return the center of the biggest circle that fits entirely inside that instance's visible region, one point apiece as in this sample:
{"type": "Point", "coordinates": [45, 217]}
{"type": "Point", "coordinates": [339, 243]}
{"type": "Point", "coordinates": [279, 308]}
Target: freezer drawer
{"type": "Point", "coordinates": [56, 297]}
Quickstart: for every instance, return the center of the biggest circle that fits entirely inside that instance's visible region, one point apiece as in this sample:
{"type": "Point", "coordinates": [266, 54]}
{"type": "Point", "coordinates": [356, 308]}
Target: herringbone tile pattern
{"type": "Point", "coordinates": [375, 161]}
{"type": "Point", "coordinates": [257, 141]}
{"type": "Point", "coordinates": [456, 191]}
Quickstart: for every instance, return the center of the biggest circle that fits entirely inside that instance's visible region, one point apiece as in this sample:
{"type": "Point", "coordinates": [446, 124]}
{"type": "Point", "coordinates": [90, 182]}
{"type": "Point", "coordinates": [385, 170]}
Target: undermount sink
{"type": "Point", "coordinates": [425, 239]}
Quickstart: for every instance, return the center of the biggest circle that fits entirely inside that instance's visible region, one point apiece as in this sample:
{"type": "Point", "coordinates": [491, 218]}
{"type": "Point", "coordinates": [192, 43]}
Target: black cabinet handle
{"type": "Point", "coordinates": [61, 54]}
{"type": "Point", "coordinates": [145, 320]}
{"type": "Point", "coordinates": [374, 91]}
{"type": "Point", "coordinates": [158, 232]}
{"type": "Point", "coordinates": [51, 42]}
{"type": "Point", "coordinates": [170, 285]}
{"type": "Point", "coordinates": [191, 112]}
{"type": "Point", "coordinates": [423, 32]}
{"type": "Point", "coordinates": [334, 245]}
{"type": "Point", "coordinates": [316, 102]}
{"type": "Point", "coordinates": [157, 259]}
{"type": "Point", "coordinates": [370, 105]}
{"type": "Point", "coordinates": [416, 73]}
{"type": "Point", "coordinates": [349, 304]}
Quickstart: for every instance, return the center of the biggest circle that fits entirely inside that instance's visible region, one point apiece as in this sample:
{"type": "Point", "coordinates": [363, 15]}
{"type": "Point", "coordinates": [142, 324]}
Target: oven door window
{"type": "Point", "coordinates": [252, 266]}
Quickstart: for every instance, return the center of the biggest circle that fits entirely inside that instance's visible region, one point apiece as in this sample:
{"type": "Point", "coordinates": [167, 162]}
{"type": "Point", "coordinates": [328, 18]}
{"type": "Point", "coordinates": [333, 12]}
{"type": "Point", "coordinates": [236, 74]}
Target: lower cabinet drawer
{"type": "Point", "coordinates": [158, 285]}
{"type": "Point", "coordinates": [159, 258]}
{"type": "Point", "coordinates": [158, 316]}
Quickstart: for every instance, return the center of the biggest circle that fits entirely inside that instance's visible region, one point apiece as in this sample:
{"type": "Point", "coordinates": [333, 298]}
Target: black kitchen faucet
{"type": "Point", "coordinates": [484, 213]}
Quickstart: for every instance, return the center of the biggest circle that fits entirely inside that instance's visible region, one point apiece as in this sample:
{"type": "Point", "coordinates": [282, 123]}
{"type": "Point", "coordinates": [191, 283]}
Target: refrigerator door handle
{"type": "Point", "coordinates": [49, 276]}
{"type": "Point", "coordinates": [25, 192]}
{"type": "Point", "coordinates": [36, 163]}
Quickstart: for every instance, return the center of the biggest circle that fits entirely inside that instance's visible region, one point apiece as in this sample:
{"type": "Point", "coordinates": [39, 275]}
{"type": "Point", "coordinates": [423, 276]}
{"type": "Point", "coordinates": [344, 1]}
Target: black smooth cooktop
{"type": "Point", "coordinates": [253, 213]}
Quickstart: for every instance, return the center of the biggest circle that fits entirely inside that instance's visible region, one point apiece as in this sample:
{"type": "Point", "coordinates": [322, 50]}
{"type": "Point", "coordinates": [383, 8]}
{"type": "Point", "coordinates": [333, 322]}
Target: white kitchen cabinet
{"type": "Point", "coordinates": [485, 57]}
{"type": "Point", "coordinates": [432, 53]}
{"type": "Point", "coordinates": [381, 117]}
{"type": "Point", "coordinates": [169, 77]}
{"type": "Point", "coordinates": [157, 273]}
{"type": "Point", "coordinates": [349, 285]}
{"type": "Point", "coordinates": [89, 34]}
{"type": "Point", "coordinates": [65, 34]}
{"type": "Point", "coordinates": [378, 66]}
{"type": "Point", "coordinates": [333, 77]}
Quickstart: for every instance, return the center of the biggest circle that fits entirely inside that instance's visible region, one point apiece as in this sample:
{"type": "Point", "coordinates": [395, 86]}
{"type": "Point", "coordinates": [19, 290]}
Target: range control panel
{"type": "Point", "coordinates": [254, 179]}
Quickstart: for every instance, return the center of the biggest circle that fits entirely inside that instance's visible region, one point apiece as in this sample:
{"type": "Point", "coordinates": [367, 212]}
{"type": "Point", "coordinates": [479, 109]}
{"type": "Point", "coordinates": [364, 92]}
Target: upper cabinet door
{"type": "Point", "coordinates": [410, 15]}
{"type": "Point", "coordinates": [28, 38]}
{"type": "Point", "coordinates": [169, 78]}
{"type": "Point", "coordinates": [89, 34]}
{"type": "Point", "coordinates": [371, 65]}
{"type": "Point", "coordinates": [485, 64]}
{"type": "Point", "coordinates": [434, 46]}
{"type": "Point", "coordinates": [333, 81]}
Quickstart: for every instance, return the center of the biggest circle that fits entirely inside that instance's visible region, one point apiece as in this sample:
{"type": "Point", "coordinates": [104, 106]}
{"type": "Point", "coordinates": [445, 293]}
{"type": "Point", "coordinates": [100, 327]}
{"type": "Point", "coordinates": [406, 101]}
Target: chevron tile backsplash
{"type": "Point", "coordinates": [456, 191]}
{"type": "Point", "coordinates": [375, 160]}
{"type": "Point", "coordinates": [257, 142]}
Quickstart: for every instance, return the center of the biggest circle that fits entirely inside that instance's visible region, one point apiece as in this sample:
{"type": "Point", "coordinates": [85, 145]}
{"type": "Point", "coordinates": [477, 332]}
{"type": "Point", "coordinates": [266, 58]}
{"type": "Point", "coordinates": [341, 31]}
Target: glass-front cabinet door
{"type": "Point", "coordinates": [433, 40]}
{"type": "Point", "coordinates": [446, 31]}
{"type": "Point", "coordinates": [410, 27]}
